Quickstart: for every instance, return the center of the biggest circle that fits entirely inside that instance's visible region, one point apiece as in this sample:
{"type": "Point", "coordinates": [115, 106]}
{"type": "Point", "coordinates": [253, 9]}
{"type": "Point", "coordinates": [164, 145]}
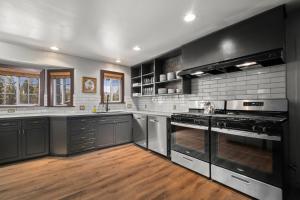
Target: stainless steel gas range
{"type": "Point", "coordinates": [241, 148]}
{"type": "Point", "coordinates": [190, 138]}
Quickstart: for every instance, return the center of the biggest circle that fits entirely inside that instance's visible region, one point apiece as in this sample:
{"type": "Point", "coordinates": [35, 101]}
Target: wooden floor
{"type": "Point", "coordinates": [125, 172]}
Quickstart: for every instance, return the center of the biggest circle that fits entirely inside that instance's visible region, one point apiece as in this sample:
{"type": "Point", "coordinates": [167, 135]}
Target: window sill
{"type": "Point", "coordinates": [61, 106]}
{"type": "Point", "coordinates": [113, 103]}
{"type": "Point", "coordinates": [21, 106]}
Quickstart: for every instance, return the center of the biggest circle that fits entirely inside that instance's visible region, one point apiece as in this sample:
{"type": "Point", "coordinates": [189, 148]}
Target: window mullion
{"type": "Point", "coordinates": [18, 91]}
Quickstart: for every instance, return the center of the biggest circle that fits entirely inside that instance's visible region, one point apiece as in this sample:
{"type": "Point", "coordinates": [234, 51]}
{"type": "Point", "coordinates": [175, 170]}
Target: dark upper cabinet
{"type": "Point", "coordinates": [10, 139]}
{"type": "Point", "coordinates": [258, 34]}
{"type": "Point", "coordinates": [35, 137]}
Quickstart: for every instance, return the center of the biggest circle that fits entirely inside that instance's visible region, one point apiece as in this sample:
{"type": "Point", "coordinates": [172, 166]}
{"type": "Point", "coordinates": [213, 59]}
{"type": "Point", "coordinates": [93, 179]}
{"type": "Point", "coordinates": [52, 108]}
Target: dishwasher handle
{"type": "Point", "coordinates": [153, 120]}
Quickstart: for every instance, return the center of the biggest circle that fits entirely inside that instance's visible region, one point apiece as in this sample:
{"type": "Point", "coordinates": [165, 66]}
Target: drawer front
{"type": "Point", "coordinates": [35, 123]}
{"type": "Point", "coordinates": [82, 124]}
{"type": "Point", "coordinates": [82, 136]}
{"type": "Point", "coordinates": [8, 124]}
{"type": "Point", "coordinates": [252, 187]}
{"type": "Point", "coordinates": [123, 118]}
{"type": "Point", "coordinates": [76, 148]}
{"type": "Point", "coordinates": [83, 130]}
{"type": "Point", "coordinates": [191, 163]}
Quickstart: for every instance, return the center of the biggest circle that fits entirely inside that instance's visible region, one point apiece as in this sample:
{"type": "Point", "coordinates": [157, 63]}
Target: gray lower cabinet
{"type": "Point", "coordinates": [71, 135]}
{"type": "Point", "coordinates": [35, 137]}
{"type": "Point", "coordinates": [23, 138]}
{"type": "Point", "coordinates": [123, 130]}
{"type": "Point", "coordinates": [105, 133]}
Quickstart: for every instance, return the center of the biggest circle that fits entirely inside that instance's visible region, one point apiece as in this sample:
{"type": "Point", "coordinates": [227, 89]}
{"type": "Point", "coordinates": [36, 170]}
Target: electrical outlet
{"type": "Point", "coordinates": [129, 105]}
{"type": "Point", "coordinates": [11, 110]}
{"type": "Point", "coordinates": [82, 107]}
{"type": "Point", "coordinates": [174, 107]}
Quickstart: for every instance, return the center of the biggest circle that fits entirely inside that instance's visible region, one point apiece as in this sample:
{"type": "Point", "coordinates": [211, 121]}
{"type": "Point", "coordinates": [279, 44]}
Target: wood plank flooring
{"type": "Point", "coordinates": [124, 172]}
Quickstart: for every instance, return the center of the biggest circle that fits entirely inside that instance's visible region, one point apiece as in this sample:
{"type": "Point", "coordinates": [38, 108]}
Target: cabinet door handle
{"type": "Point", "coordinates": [82, 128]}
{"type": "Point", "coordinates": [23, 132]}
{"type": "Point", "coordinates": [188, 159]}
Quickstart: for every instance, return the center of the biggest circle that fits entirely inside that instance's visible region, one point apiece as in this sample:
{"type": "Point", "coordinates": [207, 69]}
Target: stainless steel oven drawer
{"type": "Point", "coordinates": [252, 187]}
{"type": "Point", "coordinates": [191, 163]}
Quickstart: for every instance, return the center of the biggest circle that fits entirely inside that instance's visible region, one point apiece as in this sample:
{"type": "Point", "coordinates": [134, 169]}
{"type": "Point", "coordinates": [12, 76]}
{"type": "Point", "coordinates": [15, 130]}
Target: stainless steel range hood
{"type": "Point", "coordinates": [264, 59]}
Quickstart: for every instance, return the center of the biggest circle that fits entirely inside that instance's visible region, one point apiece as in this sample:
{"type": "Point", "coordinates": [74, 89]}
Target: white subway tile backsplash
{"type": "Point", "coordinates": [262, 83]}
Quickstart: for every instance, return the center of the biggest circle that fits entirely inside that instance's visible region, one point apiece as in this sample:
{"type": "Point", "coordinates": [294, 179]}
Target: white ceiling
{"type": "Point", "coordinates": [108, 29]}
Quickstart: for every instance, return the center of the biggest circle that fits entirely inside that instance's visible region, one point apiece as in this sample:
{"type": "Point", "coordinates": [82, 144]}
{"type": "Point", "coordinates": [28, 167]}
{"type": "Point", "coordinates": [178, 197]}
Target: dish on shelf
{"type": "Point", "coordinates": [178, 90]}
{"type": "Point", "coordinates": [162, 90]}
{"type": "Point", "coordinates": [170, 76]}
{"type": "Point", "coordinates": [136, 84]}
{"type": "Point", "coordinates": [136, 94]}
{"type": "Point", "coordinates": [171, 91]}
{"type": "Point", "coordinates": [162, 77]}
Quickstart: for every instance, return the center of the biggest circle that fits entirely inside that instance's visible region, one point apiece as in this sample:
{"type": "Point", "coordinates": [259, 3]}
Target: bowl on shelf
{"type": "Point", "coordinates": [178, 90]}
{"type": "Point", "coordinates": [162, 90]}
{"type": "Point", "coordinates": [162, 77]}
{"type": "Point", "coordinates": [170, 76]}
{"type": "Point", "coordinates": [171, 91]}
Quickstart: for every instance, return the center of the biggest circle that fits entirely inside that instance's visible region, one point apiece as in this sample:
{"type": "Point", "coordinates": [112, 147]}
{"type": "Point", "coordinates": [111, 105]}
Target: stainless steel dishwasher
{"type": "Point", "coordinates": [140, 135]}
{"type": "Point", "coordinates": [158, 129]}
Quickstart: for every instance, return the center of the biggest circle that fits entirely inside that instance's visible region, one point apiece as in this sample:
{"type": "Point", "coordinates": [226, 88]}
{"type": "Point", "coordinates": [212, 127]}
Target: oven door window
{"type": "Point", "coordinates": [192, 142]}
{"type": "Point", "coordinates": [256, 158]}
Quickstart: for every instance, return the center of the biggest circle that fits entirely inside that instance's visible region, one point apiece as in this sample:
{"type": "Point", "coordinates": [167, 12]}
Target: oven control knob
{"type": "Point", "coordinates": [254, 128]}
{"type": "Point", "coordinates": [224, 124]}
{"type": "Point", "coordinates": [264, 129]}
{"type": "Point", "coordinates": [218, 124]}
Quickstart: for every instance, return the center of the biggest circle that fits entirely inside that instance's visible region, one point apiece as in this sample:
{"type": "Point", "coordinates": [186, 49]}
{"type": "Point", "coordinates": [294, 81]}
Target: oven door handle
{"type": "Point", "coordinates": [246, 134]}
{"type": "Point", "coordinates": [190, 126]}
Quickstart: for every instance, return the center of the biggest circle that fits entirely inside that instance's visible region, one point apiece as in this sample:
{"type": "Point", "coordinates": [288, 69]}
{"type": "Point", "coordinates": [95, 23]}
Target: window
{"type": "Point", "coordinates": [20, 87]}
{"type": "Point", "coordinates": [112, 86]}
{"type": "Point", "coordinates": [60, 87]}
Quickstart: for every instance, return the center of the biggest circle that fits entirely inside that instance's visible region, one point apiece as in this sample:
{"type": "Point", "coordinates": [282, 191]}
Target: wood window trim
{"type": "Point", "coordinates": [121, 75]}
{"type": "Point", "coordinates": [49, 86]}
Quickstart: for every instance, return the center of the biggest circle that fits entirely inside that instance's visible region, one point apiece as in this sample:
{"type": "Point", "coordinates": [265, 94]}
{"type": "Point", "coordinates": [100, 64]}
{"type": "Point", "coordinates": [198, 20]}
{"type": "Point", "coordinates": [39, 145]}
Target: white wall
{"type": "Point", "coordinates": [20, 55]}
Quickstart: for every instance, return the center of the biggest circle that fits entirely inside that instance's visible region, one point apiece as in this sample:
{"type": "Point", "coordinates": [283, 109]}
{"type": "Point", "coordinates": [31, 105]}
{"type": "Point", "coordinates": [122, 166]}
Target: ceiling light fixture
{"type": "Point", "coordinates": [54, 48]}
{"type": "Point", "coordinates": [246, 64]}
{"type": "Point", "coordinates": [189, 17]}
{"type": "Point", "coordinates": [136, 48]}
{"type": "Point", "coordinates": [118, 60]}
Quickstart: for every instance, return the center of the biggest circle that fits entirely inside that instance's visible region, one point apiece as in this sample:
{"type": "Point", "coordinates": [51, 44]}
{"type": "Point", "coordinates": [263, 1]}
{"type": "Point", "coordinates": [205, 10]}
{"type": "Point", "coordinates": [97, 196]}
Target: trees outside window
{"type": "Point", "coordinates": [19, 87]}
{"type": "Point", "coordinates": [112, 86]}
{"type": "Point", "coordinates": [60, 87]}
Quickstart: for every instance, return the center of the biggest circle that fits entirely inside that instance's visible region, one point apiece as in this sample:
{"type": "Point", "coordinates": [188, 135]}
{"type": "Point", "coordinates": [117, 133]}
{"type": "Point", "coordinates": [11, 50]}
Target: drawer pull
{"type": "Point", "coordinates": [188, 159]}
{"type": "Point", "coordinates": [82, 128]}
{"type": "Point", "coordinates": [153, 120]}
{"type": "Point", "coordinates": [240, 179]}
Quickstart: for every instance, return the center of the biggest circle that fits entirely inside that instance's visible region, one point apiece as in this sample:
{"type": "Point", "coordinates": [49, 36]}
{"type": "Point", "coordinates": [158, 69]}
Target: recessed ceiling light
{"type": "Point", "coordinates": [54, 48]}
{"type": "Point", "coordinates": [189, 17]}
{"type": "Point", "coordinates": [246, 64]}
{"type": "Point", "coordinates": [136, 48]}
{"type": "Point", "coordinates": [118, 60]}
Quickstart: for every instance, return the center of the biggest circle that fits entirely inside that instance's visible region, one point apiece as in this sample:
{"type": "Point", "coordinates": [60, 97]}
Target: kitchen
{"type": "Point", "coordinates": [96, 104]}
